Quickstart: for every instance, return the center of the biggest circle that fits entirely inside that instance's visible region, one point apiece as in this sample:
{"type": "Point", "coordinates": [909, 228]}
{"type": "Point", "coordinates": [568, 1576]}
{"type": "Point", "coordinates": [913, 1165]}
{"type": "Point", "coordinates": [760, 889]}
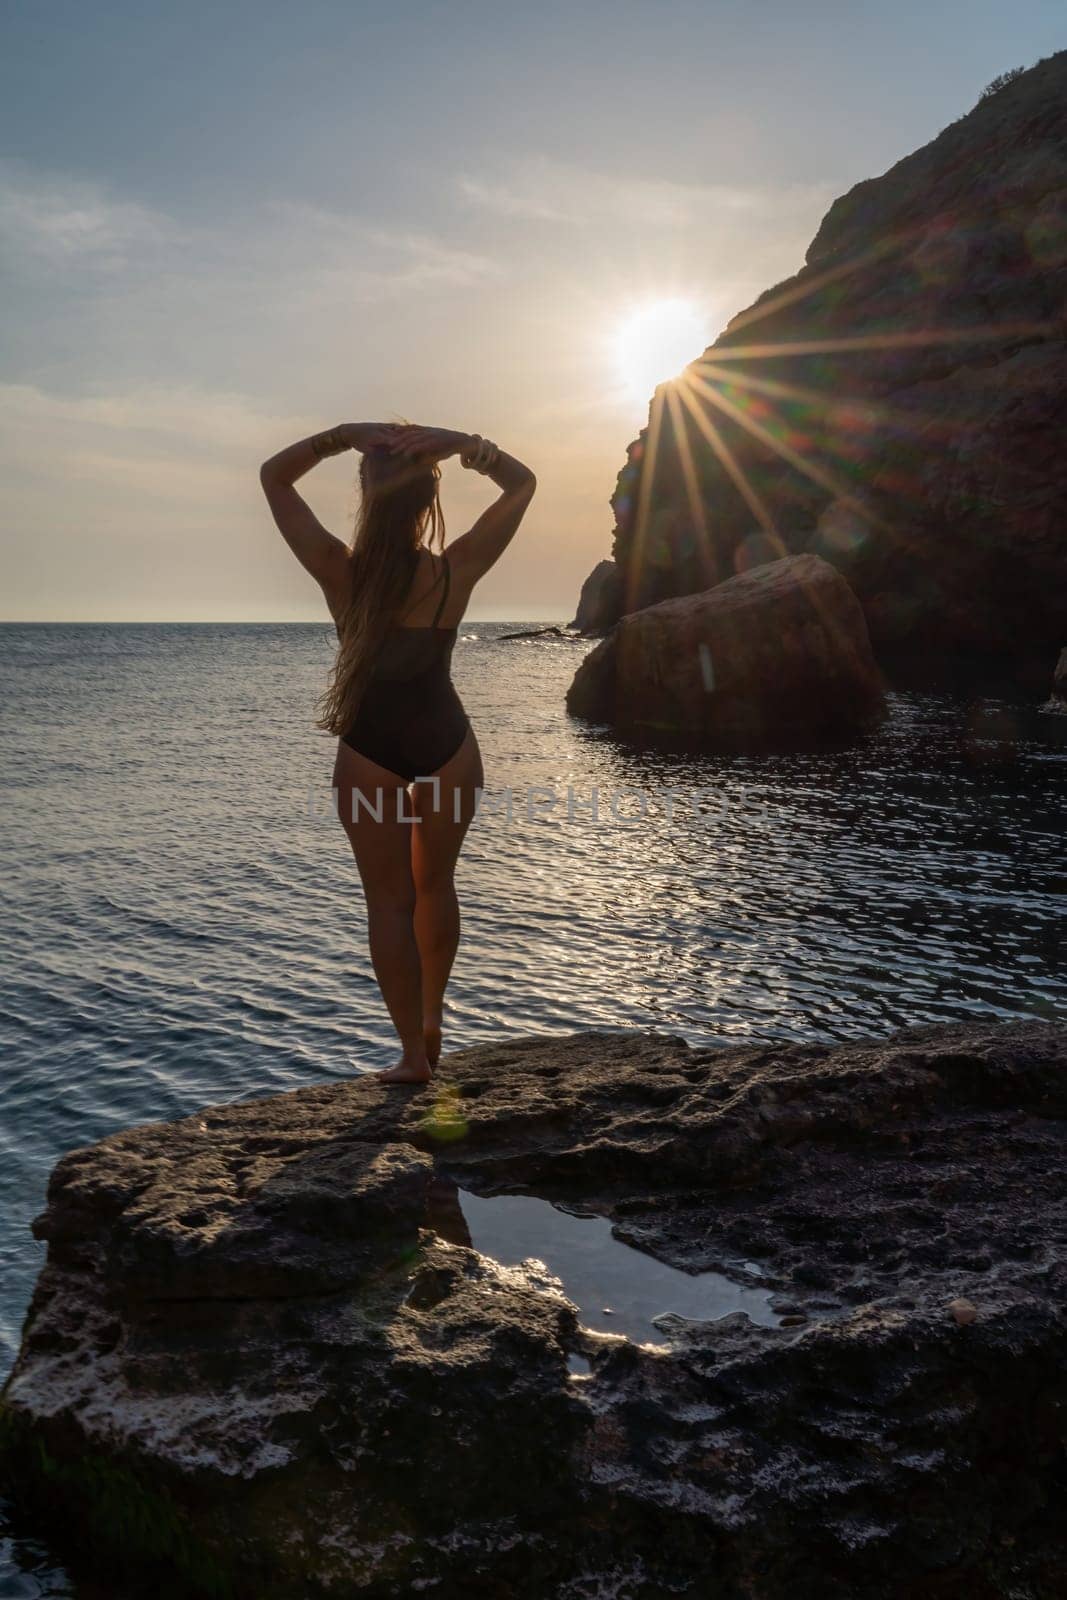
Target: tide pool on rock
{"type": "Point", "coordinates": [615, 1288]}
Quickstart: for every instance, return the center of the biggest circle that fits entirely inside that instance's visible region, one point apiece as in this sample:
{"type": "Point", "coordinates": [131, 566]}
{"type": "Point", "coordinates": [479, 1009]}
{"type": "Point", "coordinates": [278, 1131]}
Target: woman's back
{"type": "Point", "coordinates": [410, 649]}
{"type": "Point", "coordinates": [410, 719]}
{"type": "Point", "coordinates": [409, 638]}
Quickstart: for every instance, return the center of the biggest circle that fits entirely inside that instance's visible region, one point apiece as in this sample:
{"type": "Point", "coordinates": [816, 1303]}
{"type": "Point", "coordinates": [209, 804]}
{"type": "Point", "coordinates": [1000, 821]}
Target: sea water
{"type": "Point", "coordinates": [183, 922]}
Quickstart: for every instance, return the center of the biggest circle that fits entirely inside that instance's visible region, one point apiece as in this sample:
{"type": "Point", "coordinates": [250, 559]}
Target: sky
{"type": "Point", "coordinates": [226, 225]}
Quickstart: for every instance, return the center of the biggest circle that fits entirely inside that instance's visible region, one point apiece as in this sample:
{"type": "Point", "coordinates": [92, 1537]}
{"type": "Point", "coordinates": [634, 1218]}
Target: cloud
{"type": "Point", "coordinates": [68, 221]}
{"type": "Point", "coordinates": [211, 418]}
{"type": "Point", "coordinates": [178, 447]}
{"type": "Point", "coordinates": [547, 191]}
{"type": "Point", "coordinates": [308, 308]}
{"type": "Point", "coordinates": [378, 260]}
{"type": "Point", "coordinates": [71, 224]}
{"type": "Point", "coordinates": [145, 491]}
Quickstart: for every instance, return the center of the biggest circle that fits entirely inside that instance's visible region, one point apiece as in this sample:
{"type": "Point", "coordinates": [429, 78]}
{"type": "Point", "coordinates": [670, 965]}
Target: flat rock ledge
{"type": "Point", "coordinates": [257, 1361]}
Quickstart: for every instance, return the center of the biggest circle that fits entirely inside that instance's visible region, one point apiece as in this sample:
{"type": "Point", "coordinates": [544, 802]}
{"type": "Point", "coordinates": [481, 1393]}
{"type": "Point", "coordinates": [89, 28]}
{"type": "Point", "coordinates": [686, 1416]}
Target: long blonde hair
{"type": "Point", "coordinates": [399, 514]}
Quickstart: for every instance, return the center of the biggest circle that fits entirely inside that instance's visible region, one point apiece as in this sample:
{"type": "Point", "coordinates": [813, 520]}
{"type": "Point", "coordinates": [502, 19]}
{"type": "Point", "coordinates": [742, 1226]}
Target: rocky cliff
{"type": "Point", "coordinates": [600, 600]}
{"type": "Point", "coordinates": [896, 407]}
{"type": "Point", "coordinates": [265, 1357]}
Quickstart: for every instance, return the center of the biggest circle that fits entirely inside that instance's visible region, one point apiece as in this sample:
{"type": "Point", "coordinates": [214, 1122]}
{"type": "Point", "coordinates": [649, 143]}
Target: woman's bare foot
{"type": "Point", "coordinates": [406, 1071]}
{"type": "Point", "coordinates": [431, 1033]}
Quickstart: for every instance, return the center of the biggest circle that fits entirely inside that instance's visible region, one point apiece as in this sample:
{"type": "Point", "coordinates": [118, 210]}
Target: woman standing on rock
{"type": "Point", "coordinates": [408, 765]}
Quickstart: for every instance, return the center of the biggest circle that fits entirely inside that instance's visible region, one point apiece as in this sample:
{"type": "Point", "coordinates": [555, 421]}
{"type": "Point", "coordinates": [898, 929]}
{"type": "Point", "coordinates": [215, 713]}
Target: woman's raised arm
{"type": "Point", "coordinates": [319, 551]}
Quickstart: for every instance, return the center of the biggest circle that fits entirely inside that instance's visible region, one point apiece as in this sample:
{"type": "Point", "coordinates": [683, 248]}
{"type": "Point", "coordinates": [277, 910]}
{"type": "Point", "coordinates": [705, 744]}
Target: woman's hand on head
{"type": "Point", "coordinates": [363, 436]}
{"type": "Point", "coordinates": [430, 444]}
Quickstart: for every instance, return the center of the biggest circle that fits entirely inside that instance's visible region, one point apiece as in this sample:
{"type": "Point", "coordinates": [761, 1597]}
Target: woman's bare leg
{"type": "Point", "coordinates": [382, 849]}
{"type": "Point", "coordinates": [435, 845]}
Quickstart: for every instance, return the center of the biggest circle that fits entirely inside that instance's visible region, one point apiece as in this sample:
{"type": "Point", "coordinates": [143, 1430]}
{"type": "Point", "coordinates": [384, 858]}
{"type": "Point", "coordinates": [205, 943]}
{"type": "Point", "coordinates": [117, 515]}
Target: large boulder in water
{"type": "Point", "coordinates": [598, 604]}
{"type": "Point", "coordinates": [264, 1358]}
{"type": "Point", "coordinates": [1059, 679]}
{"type": "Point", "coordinates": [778, 656]}
{"type": "Point", "coordinates": [897, 407]}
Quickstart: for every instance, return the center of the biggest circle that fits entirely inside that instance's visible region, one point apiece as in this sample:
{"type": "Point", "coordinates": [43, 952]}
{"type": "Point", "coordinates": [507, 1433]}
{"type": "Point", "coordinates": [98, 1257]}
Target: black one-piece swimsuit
{"type": "Point", "coordinates": [410, 719]}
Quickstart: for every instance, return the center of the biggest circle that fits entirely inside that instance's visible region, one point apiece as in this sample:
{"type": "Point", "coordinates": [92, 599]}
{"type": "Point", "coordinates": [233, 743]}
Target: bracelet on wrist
{"type": "Point", "coordinates": [329, 443]}
{"type": "Point", "coordinates": [481, 454]}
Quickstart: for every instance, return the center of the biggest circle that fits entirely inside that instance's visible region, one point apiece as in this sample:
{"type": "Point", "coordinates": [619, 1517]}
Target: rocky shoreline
{"type": "Point", "coordinates": [257, 1359]}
